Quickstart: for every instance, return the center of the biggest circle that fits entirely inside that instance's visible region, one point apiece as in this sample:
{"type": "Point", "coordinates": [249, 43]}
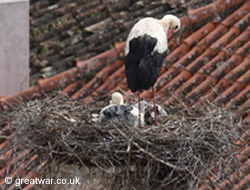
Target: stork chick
{"type": "Point", "coordinates": [118, 112]}
{"type": "Point", "coordinates": [116, 99]}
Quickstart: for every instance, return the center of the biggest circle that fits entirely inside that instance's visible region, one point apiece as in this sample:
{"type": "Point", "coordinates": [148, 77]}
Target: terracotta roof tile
{"type": "Point", "coordinates": [244, 138]}
{"type": "Point", "coordinates": [200, 61]}
{"type": "Point", "coordinates": [117, 77]}
{"type": "Point", "coordinates": [237, 15]}
{"type": "Point", "coordinates": [210, 66]}
{"type": "Point", "coordinates": [212, 37]}
{"type": "Point", "coordinates": [188, 58]}
{"type": "Point", "coordinates": [97, 61]}
{"type": "Point", "coordinates": [58, 80]}
{"type": "Point", "coordinates": [229, 93]}
{"type": "Point", "coordinates": [199, 34]}
{"type": "Point", "coordinates": [239, 99]}
{"type": "Point", "coordinates": [177, 53]}
{"type": "Point", "coordinates": [175, 83]}
{"type": "Point", "coordinates": [234, 178]}
{"type": "Point", "coordinates": [110, 83]}
{"type": "Point", "coordinates": [3, 144]}
{"type": "Point", "coordinates": [238, 71]}
{"type": "Point", "coordinates": [243, 23]}
{"type": "Point", "coordinates": [73, 87]}
{"type": "Point", "coordinates": [190, 84]}
{"type": "Point", "coordinates": [245, 79]}
{"type": "Point", "coordinates": [244, 50]}
{"type": "Point", "coordinates": [243, 110]}
{"type": "Point", "coordinates": [6, 102]}
{"type": "Point", "coordinates": [245, 153]}
{"type": "Point", "coordinates": [237, 42]}
{"type": "Point", "coordinates": [166, 77]}
{"type": "Point", "coordinates": [98, 79]}
{"type": "Point", "coordinates": [217, 6]}
{"type": "Point", "coordinates": [225, 39]}
{"type": "Point", "coordinates": [243, 184]}
{"type": "Point", "coordinates": [209, 61]}
{"type": "Point", "coordinates": [246, 119]}
{"type": "Point", "coordinates": [217, 90]}
{"type": "Point", "coordinates": [226, 67]}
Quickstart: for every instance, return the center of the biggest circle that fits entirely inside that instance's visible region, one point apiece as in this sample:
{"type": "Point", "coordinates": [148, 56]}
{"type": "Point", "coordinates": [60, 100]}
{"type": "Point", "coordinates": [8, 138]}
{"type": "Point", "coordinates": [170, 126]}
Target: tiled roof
{"type": "Point", "coordinates": [63, 31]}
{"type": "Point", "coordinates": [212, 62]}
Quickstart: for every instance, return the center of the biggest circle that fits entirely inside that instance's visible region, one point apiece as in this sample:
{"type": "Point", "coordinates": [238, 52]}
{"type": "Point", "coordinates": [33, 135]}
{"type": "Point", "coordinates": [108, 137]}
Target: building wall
{"type": "Point", "coordinates": [14, 46]}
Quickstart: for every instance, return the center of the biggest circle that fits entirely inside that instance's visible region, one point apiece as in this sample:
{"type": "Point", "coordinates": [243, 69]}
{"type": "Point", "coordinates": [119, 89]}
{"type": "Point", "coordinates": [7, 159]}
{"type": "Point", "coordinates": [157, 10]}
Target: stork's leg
{"type": "Point", "coordinates": [139, 109]}
{"type": "Point", "coordinates": [155, 110]}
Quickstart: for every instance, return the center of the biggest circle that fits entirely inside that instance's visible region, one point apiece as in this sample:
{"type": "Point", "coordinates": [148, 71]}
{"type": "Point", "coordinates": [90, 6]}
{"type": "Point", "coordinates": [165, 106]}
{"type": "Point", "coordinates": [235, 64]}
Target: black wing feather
{"type": "Point", "coordinates": [142, 67]}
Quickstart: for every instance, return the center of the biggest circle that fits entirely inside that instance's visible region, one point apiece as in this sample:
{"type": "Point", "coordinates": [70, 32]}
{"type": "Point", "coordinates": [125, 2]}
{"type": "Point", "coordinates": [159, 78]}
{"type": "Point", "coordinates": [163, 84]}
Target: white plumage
{"type": "Point", "coordinates": [151, 27]}
{"type": "Point", "coordinates": [117, 99]}
{"type": "Point", "coordinates": [156, 28]}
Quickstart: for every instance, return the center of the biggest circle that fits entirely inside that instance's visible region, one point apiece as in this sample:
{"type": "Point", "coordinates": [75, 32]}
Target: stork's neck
{"type": "Point", "coordinates": [164, 24]}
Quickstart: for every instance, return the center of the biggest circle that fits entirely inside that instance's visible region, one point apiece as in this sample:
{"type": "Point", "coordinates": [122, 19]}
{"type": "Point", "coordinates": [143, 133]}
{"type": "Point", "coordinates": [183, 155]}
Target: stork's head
{"type": "Point", "coordinates": [117, 98]}
{"type": "Point", "coordinates": [171, 24]}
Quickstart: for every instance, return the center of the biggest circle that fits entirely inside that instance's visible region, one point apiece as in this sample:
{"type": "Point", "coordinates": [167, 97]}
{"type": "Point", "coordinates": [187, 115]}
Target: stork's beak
{"type": "Point", "coordinates": [170, 32]}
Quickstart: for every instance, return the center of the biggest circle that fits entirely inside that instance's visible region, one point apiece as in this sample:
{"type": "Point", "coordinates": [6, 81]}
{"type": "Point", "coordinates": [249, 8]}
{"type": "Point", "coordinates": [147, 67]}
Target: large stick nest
{"type": "Point", "coordinates": [186, 147]}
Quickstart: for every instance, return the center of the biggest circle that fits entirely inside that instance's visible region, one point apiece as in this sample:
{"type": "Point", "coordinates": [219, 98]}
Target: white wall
{"type": "Point", "coordinates": [14, 46]}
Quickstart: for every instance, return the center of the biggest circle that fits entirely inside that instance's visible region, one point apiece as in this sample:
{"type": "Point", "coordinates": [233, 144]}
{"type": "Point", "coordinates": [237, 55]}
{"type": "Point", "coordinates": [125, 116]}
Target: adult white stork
{"type": "Point", "coordinates": [145, 50]}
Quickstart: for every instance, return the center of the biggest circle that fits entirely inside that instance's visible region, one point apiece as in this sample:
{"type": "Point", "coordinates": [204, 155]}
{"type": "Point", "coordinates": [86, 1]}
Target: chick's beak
{"type": "Point", "coordinates": [170, 32]}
